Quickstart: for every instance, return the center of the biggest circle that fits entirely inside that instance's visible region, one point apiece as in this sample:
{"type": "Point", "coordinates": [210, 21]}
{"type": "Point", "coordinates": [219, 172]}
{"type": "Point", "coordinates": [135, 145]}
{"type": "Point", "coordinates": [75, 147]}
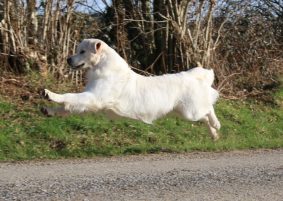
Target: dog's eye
{"type": "Point", "coordinates": [81, 52]}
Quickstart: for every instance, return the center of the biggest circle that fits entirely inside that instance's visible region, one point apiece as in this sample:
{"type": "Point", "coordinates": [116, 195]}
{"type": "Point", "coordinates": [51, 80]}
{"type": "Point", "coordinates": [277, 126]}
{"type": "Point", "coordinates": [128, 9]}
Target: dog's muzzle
{"type": "Point", "coordinates": [70, 62]}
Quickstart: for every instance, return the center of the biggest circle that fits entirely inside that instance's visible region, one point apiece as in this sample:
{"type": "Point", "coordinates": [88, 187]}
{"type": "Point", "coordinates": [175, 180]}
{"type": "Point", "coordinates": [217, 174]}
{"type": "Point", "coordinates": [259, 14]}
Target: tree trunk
{"type": "Point", "coordinates": [46, 21]}
{"type": "Point", "coordinates": [159, 9]}
{"type": "Point", "coordinates": [32, 26]}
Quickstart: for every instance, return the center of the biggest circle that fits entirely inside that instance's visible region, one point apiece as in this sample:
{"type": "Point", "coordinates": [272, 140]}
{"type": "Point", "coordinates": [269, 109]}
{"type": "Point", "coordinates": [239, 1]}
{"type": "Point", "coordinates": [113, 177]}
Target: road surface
{"type": "Point", "coordinates": [237, 175]}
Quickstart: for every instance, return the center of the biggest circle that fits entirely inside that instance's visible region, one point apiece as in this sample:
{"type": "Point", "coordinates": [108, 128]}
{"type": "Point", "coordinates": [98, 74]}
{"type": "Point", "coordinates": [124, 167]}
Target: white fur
{"type": "Point", "coordinates": [113, 87]}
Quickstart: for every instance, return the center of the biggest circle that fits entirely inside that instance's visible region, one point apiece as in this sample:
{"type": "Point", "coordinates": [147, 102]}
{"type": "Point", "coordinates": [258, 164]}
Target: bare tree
{"type": "Point", "coordinates": [154, 36]}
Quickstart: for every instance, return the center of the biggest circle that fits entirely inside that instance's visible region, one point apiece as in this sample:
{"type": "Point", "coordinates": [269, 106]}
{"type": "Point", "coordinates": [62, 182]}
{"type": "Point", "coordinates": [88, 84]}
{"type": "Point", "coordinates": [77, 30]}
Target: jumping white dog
{"type": "Point", "coordinates": [114, 88]}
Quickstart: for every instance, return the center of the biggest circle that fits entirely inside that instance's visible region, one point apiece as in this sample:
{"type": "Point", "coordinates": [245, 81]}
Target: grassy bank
{"type": "Point", "coordinates": [26, 134]}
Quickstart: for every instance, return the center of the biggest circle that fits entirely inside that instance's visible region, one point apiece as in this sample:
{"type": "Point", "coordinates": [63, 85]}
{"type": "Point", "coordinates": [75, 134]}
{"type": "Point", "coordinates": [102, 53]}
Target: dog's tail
{"type": "Point", "coordinates": [213, 92]}
{"type": "Point", "coordinates": [210, 77]}
{"type": "Point", "coordinates": [204, 75]}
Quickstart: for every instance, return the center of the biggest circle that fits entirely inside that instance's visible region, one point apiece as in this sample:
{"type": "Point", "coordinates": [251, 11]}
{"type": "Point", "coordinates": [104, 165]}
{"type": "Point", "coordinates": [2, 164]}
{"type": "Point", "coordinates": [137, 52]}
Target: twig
{"type": "Point", "coordinates": [145, 72]}
{"type": "Point", "coordinates": [9, 80]}
{"type": "Point", "coordinates": [11, 55]}
{"type": "Point", "coordinates": [151, 65]}
{"type": "Point", "coordinates": [222, 84]}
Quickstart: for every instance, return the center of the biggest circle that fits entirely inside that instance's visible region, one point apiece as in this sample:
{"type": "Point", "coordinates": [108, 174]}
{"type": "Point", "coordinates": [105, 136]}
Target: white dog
{"type": "Point", "coordinates": [114, 88]}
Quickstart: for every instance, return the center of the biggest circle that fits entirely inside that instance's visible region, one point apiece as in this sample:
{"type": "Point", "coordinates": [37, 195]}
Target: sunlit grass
{"type": "Point", "coordinates": [26, 134]}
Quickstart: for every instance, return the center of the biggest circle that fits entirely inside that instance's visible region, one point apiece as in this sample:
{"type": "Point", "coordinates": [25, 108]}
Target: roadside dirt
{"type": "Point", "coordinates": [238, 175]}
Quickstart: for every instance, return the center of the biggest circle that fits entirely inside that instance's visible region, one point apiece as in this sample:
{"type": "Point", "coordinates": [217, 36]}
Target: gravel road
{"type": "Point", "coordinates": [239, 175]}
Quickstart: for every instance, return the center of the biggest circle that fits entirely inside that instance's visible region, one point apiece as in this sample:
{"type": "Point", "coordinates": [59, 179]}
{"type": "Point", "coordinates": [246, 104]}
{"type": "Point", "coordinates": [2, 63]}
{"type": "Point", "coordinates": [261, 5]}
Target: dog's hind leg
{"type": "Point", "coordinates": [213, 120]}
{"type": "Point", "coordinates": [207, 121]}
{"type": "Point", "coordinates": [211, 129]}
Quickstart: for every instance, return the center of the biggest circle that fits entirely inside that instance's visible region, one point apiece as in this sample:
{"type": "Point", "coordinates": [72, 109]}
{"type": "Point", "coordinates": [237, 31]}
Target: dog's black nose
{"type": "Point", "coordinates": [69, 61]}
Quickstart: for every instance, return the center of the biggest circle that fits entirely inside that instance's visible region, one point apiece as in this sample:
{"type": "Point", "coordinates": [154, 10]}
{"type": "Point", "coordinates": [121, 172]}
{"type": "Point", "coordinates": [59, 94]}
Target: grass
{"type": "Point", "coordinates": [26, 134]}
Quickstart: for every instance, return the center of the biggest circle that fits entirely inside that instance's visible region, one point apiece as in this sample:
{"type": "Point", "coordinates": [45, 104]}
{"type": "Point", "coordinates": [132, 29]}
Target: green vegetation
{"type": "Point", "coordinates": [26, 134]}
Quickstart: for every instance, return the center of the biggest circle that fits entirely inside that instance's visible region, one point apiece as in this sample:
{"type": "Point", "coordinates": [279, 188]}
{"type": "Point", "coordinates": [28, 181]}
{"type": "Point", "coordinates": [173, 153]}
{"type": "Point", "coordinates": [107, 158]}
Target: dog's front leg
{"type": "Point", "coordinates": [75, 102]}
{"type": "Point", "coordinates": [58, 98]}
{"type": "Point", "coordinates": [54, 111]}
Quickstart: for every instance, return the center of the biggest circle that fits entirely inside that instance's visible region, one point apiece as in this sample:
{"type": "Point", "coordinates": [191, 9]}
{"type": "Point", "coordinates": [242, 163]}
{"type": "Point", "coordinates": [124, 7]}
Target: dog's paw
{"type": "Point", "coordinates": [58, 98]}
{"type": "Point", "coordinates": [215, 137]}
{"type": "Point", "coordinates": [46, 112]}
{"type": "Point", "coordinates": [49, 95]}
{"type": "Point", "coordinates": [216, 125]}
{"type": "Point", "coordinates": [44, 94]}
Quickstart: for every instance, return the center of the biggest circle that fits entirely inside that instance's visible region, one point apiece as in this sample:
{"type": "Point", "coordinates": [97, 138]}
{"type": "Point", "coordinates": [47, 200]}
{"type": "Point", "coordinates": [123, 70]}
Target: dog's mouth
{"type": "Point", "coordinates": [78, 67]}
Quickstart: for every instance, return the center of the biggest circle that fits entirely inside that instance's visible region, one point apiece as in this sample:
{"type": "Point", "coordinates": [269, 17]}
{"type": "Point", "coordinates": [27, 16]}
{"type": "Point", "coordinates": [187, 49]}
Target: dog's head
{"type": "Point", "coordinates": [88, 54]}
